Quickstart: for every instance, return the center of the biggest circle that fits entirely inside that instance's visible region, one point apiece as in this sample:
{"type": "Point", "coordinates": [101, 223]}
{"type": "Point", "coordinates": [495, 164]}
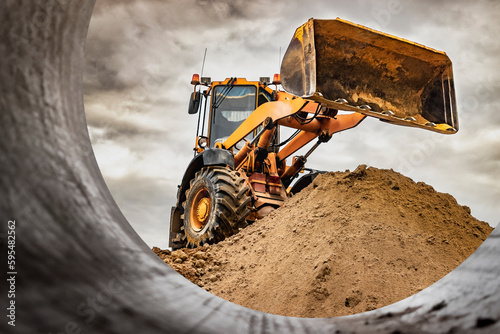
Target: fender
{"type": "Point", "coordinates": [209, 157]}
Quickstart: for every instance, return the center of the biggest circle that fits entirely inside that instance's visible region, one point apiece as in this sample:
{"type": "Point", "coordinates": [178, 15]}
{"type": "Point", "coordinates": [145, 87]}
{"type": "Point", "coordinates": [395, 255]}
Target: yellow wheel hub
{"type": "Point", "coordinates": [203, 209]}
{"type": "Point", "coordinates": [200, 209]}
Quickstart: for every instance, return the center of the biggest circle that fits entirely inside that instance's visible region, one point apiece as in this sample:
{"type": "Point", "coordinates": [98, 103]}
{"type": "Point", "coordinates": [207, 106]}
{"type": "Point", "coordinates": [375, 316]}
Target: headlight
{"type": "Point", "coordinates": [202, 142]}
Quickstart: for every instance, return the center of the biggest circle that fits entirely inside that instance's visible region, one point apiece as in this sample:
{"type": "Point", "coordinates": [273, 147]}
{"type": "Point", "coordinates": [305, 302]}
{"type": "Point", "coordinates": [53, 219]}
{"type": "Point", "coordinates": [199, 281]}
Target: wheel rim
{"type": "Point", "coordinates": [200, 209]}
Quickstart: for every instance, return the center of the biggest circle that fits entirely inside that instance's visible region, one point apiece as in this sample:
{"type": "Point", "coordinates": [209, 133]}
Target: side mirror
{"type": "Point", "coordinates": [194, 103]}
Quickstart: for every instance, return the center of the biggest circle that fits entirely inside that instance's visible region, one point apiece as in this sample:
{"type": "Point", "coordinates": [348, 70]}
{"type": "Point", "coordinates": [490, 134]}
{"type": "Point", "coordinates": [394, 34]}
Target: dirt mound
{"type": "Point", "coordinates": [348, 243]}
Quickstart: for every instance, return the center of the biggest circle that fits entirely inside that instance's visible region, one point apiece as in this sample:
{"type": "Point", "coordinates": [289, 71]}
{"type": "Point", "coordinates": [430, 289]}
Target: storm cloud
{"type": "Point", "coordinates": [141, 55]}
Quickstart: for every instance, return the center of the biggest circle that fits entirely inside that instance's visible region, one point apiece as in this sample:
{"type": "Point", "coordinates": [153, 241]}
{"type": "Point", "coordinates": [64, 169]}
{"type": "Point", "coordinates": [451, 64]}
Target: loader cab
{"type": "Point", "coordinates": [226, 105]}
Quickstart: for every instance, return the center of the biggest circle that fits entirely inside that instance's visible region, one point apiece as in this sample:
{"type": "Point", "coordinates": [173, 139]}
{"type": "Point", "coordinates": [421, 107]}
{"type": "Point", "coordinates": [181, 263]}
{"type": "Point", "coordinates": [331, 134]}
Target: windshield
{"type": "Point", "coordinates": [231, 105]}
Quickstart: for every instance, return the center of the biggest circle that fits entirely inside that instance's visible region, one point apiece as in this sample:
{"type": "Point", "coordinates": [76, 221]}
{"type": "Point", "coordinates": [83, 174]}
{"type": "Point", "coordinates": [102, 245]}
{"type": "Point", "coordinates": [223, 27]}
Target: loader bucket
{"type": "Point", "coordinates": [346, 66]}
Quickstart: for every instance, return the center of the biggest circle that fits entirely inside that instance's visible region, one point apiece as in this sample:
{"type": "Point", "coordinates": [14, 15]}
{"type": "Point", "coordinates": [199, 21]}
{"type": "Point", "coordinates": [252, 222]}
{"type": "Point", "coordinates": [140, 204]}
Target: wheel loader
{"type": "Point", "coordinates": [333, 75]}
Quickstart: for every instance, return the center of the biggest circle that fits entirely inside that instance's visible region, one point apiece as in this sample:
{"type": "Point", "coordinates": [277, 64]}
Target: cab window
{"type": "Point", "coordinates": [231, 105]}
{"type": "Point", "coordinates": [264, 96]}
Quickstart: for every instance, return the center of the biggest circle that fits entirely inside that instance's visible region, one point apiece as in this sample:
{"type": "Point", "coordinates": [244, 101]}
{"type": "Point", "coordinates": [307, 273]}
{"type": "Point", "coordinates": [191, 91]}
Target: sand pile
{"type": "Point", "coordinates": [349, 243]}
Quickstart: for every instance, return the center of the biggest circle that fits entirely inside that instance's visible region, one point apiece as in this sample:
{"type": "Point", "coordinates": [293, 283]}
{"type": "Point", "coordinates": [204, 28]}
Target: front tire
{"type": "Point", "coordinates": [216, 206]}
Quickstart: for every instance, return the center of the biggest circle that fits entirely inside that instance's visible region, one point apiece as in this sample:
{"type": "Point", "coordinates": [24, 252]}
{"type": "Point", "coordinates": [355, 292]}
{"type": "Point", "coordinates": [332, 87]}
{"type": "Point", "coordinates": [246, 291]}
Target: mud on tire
{"type": "Point", "coordinates": [216, 206]}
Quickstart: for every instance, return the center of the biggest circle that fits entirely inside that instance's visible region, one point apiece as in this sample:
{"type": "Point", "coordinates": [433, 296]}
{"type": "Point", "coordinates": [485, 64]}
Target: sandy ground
{"type": "Point", "coordinates": [350, 242]}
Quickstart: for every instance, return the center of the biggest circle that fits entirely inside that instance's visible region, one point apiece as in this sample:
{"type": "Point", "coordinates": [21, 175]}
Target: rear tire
{"type": "Point", "coordinates": [216, 206]}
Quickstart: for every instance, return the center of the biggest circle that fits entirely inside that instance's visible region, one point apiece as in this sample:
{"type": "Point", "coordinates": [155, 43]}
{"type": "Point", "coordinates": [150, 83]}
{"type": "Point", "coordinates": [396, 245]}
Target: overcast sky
{"type": "Point", "coordinates": [141, 55]}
